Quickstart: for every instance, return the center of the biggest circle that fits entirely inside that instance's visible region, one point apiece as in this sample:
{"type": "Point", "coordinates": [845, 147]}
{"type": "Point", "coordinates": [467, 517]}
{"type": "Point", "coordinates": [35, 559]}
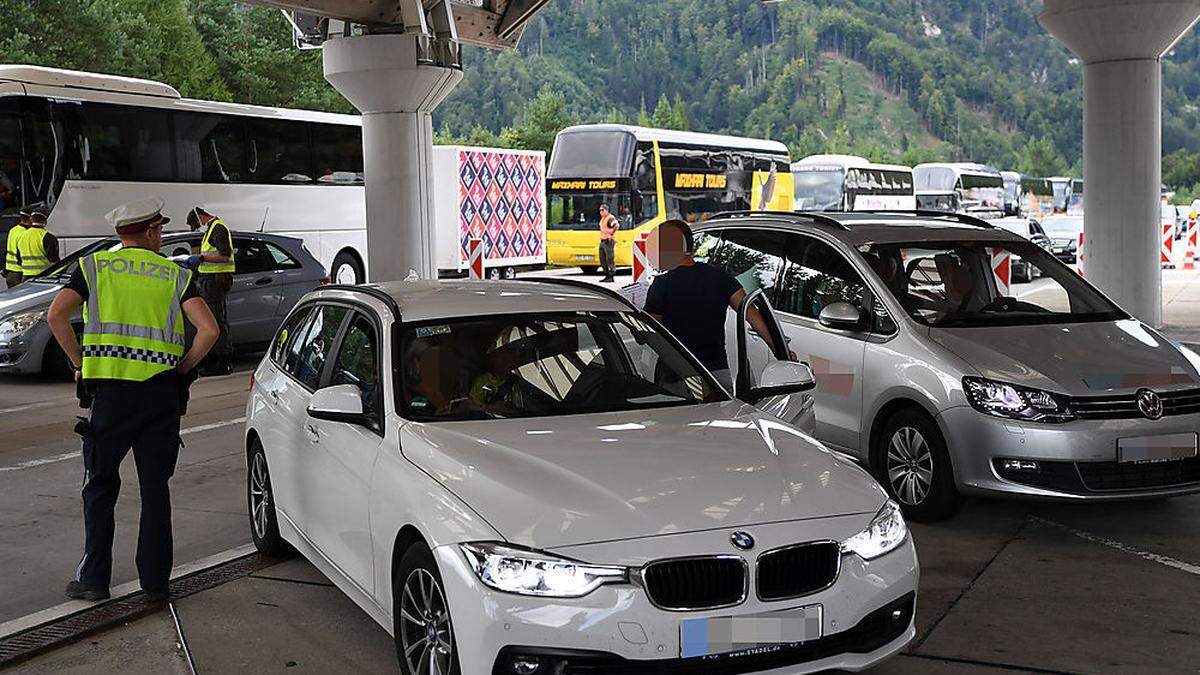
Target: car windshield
{"type": "Point", "coordinates": [949, 284]}
{"type": "Point", "coordinates": [544, 365]}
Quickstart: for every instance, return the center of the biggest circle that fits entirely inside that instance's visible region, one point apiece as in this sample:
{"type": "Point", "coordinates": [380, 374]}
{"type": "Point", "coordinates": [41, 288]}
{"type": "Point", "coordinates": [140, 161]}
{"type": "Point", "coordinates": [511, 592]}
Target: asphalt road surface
{"type": "Point", "coordinates": [41, 472]}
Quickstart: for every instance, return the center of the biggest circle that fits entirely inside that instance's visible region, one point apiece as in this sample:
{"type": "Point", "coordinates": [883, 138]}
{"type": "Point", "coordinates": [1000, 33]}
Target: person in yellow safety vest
{"type": "Point", "coordinates": [216, 267]}
{"type": "Point", "coordinates": [12, 258]}
{"type": "Point", "coordinates": [135, 369]}
{"type": "Point", "coordinates": [37, 248]}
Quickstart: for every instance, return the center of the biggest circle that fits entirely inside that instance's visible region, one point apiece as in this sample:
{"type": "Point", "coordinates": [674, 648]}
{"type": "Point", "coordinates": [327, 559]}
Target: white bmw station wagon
{"type": "Point", "coordinates": [522, 477]}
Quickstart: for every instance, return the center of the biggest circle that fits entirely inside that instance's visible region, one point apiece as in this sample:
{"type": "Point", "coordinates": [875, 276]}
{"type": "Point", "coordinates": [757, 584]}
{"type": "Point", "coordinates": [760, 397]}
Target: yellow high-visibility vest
{"type": "Point", "coordinates": [133, 318]}
{"type": "Point", "coordinates": [206, 247]}
{"type": "Point", "coordinates": [32, 249]}
{"type": "Point", "coordinates": [12, 260]}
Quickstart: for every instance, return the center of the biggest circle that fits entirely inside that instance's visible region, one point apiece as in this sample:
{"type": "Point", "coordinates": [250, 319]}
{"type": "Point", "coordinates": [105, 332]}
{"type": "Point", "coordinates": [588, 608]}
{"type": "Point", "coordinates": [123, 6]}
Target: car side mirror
{"type": "Point", "coordinates": [782, 378]}
{"type": "Point", "coordinates": [841, 315]}
{"type": "Point", "coordinates": [339, 403]}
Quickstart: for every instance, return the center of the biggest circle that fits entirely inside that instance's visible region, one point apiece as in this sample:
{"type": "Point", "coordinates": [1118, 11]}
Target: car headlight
{"type": "Point", "coordinates": [15, 324]}
{"type": "Point", "coordinates": [525, 572]}
{"type": "Point", "coordinates": [886, 532]}
{"type": "Point", "coordinates": [1014, 402]}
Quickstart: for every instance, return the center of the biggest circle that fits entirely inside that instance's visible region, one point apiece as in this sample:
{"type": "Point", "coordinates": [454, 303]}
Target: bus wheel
{"type": "Point", "coordinates": [495, 273]}
{"type": "Point", "coordinates": [589, 269]}
{"type": "Point", "coordinates": [347, 269]}
{"type": "Point", "coordinates": [510, 273]}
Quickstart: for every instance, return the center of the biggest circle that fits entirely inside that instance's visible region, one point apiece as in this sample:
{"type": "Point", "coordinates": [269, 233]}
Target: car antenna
{"type": "Point", "coordinates": [262, 226]}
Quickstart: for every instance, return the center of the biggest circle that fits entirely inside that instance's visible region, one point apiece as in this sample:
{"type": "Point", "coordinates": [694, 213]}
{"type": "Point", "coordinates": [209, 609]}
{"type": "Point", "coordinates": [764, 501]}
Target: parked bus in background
{"type": "Point", "coordinates": [646, 176]}
{"type": "Point", "coordinates": [1068, 195]}
{"type": "Point", "coordinates": [850, 183]}
{"type": "Point", "coordinates": [83, 143]}
{"type": "Point", "coordinates": [1026, 195]}
{"type": "Point", "coordinates": [959, 187]}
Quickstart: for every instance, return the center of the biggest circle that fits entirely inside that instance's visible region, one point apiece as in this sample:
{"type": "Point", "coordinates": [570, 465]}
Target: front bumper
{"type": "Point", "coordinates": [22, 355]}
{"type": "Point", "coordinates": [1077, 461]}
{"type": "Point", "coordinates": [617, 629]}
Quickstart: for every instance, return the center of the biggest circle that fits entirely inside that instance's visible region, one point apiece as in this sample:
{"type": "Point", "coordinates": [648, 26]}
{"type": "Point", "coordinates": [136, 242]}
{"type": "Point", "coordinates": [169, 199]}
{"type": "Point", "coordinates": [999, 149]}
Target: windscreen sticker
{"type": "Point", "coordinates": [430, 331]}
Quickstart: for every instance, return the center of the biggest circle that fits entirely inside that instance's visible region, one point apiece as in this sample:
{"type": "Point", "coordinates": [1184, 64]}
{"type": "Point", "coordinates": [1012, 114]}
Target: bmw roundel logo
{"type": "Point", "coordinates": [742, 540]}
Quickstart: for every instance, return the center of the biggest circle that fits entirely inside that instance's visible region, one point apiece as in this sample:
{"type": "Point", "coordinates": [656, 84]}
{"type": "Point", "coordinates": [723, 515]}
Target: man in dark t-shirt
{"type": "Point", "coordinates": [691, 300]}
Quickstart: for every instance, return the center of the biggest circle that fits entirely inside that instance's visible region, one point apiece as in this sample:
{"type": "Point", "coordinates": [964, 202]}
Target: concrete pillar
{"type": "Point", "coordinates": [393, 80]}
{"type": "Point", "coordinates": [1120, 43]}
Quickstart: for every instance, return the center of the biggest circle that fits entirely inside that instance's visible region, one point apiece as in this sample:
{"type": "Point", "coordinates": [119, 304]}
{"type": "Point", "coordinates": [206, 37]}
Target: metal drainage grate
{"type": "Point", "coordinates": [59, 632]}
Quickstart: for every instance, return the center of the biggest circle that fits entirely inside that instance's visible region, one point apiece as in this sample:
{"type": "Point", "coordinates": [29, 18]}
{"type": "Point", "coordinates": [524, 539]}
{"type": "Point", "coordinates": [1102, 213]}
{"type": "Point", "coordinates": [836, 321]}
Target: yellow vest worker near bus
{"type": "Point", "coordinates": [215, 265]}
{"type": "Point", "coordinates": [36, 248]}
{"type": "Point", "coordinates": [134, 368]}
{"type": "Point", "coordinates": [12, 257]}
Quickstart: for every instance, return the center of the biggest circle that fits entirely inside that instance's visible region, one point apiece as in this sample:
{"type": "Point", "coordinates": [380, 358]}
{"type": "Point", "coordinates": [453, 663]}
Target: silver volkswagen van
{"type": "Point", "coordinates": [945, 380]}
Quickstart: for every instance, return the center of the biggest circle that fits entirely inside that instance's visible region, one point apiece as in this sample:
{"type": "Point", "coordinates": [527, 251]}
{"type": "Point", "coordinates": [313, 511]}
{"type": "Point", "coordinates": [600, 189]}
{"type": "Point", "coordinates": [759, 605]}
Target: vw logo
{"type": "Point", "coordinates": [1149, 404]}
{"type": "Point", "coordinates": [742, 540]}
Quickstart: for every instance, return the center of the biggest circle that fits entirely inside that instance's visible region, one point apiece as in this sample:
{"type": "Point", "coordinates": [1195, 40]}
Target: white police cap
{"type": "Point", "coordinates": [138, 216]}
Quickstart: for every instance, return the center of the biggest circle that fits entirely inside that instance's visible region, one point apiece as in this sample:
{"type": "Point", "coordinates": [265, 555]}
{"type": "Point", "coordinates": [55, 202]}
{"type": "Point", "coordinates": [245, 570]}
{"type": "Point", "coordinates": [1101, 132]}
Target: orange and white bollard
{"type": "Point", "coordinates": [1190, 237]}
{"type": "Point", "coordinates": [1168, 244]}
{"type": "Point", "coordinates": [475, 258]}
{"type": "Point", "coordinates": [1079, 255]}
{"type": "Point", "coordinates": [1002, 271]}
{"type": "Point", "coordinates": [641, 260]}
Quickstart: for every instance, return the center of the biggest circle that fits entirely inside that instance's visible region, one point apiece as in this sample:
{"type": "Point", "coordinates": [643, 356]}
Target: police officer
{"type": "Point", "coordinates": [37, 248]}
{"type": "Point", "coordinates": [12, 257]}
{"type": "Point", "coordinates": [132, 362]}
{"type": "Point", "coordinates": [216, 278]}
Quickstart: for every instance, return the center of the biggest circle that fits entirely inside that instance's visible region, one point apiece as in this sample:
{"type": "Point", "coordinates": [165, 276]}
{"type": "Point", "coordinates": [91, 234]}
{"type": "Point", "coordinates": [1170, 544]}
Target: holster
{"type": "Point", "coordinates": [84, 393]}
{"type": "Point", "coordinates": [184, 387]}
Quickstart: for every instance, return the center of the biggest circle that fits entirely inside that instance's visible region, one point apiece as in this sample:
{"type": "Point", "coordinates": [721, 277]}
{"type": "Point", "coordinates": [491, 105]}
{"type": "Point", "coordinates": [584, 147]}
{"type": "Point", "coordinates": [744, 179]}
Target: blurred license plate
{"type": "Point", "coordinates": [1156, 448]}
{"type": "Point", "coordinates": [755, 633]}
{"type": "Point", "coordinates": [585, 258]}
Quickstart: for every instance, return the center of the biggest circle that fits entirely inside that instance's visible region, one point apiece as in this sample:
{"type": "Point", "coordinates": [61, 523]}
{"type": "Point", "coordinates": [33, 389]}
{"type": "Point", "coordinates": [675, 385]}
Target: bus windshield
{"type": "Point", "coordinates": [592, 154]}
{"type": "Point", "coordinates": [934, 179]}
{"type": "Point", "coordinates": [819, 190]}
{"type": "Point", "coordinates": [581, 210]}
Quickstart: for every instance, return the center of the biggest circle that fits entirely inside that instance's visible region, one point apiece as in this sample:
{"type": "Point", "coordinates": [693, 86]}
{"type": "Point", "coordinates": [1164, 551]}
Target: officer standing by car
{"type": "Point", "coordinates": [37, 248]}
{"type": "Point", "coordinates": [216, 270]}
{"type": "Point", "coordinates": [12, 256]}
{"type": "Point", "coordinates": [133, 368]}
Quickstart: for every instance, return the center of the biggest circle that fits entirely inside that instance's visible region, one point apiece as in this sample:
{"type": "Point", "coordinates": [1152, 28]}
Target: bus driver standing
{"type": "Point", "coordinates": [608, 242]}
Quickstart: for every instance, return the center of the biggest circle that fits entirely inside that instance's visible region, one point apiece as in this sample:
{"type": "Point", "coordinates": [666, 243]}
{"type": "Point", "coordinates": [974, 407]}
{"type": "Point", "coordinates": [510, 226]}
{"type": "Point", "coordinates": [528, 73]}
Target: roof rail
{"type": "Point", "coordinates": [963, 218]}
{"type": "Point", "coordinates": [817, 217]}
{"type": "Point", "coordinates": [374, 292]}
{"type": "Point", "coordinates": [575, 283]}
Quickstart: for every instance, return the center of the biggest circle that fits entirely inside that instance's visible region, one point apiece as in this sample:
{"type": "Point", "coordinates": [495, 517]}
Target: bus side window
{"type": "Point", "coordinates": [210, 148]}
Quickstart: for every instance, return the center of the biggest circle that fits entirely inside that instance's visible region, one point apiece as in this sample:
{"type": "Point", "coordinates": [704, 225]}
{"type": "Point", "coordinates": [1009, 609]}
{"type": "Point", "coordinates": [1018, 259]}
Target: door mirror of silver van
{"type": "Point", "coordinates": [339, 403]}
{"type": "Point", "coordinates": [841, 315]}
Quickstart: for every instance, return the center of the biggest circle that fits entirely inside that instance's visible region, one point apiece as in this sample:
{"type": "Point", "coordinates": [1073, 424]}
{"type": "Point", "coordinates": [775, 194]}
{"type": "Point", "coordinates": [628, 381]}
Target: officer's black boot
{"type": "Point", "coordinates": [78, 591]}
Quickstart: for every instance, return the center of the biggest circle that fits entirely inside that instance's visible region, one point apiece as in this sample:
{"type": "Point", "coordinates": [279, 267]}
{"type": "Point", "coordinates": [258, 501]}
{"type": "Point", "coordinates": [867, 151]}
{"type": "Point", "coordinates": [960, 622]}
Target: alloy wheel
{"type": "Point", "coordinates": [425, 634]}
{"type": "Point", "coordinates": [909, 466]}
{"type": "Point", "coordinates": [260, 495]}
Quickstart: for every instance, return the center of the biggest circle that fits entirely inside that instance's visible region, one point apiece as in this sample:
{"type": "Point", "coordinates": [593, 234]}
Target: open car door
{"type": "Point", "coordinates": [764, 374]}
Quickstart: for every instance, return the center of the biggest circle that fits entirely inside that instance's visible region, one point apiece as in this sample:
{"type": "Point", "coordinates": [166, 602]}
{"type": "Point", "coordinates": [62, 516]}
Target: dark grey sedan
{"type": "Point", "coordinates": [273, 272]}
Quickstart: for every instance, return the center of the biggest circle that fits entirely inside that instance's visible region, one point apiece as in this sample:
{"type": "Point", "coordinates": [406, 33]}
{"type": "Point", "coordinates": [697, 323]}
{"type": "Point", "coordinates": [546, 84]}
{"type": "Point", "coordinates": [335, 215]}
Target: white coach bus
{"type": "Point", "coordinates": [851, 183]}
{"type": "Point", "coordinates": [83, 143]}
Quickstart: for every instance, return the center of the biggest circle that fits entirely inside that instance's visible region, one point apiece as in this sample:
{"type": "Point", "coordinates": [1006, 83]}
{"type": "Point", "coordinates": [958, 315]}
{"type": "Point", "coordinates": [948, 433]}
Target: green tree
{"type": "Point", "coordinates": [1038, 157]}
{"type": "Point", "coordinates": [543, 118]}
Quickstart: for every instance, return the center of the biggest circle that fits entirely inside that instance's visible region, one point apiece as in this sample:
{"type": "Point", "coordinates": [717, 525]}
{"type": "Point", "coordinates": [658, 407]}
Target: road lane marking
{"type": "Point", "coordinates": [34, 406]}
{"type": "Point", "coordinates": [1168, 561]}
{"type": "Point", "coordinates": [75, 453]}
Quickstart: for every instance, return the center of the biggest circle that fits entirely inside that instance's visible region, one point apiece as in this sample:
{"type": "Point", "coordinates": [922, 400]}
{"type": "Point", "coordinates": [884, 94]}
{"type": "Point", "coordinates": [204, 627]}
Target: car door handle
{"type": "Point", "coordinates": [263, 281]}
{"type": "Point", "coordinates": [274, 393]}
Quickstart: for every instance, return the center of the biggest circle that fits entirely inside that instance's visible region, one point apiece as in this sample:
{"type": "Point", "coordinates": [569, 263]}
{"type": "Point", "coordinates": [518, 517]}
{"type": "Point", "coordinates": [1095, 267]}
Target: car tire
{"type": "Point", "coordinates": [347, 269]}
{"type": "Point", "coordinates": [589, 270]}
{"type": "Point", "coordinates": [55, 364]}
{"type": "Point", "coordinates": [911, 462]}
{"type": "Point", "coordinates": [419, 612]}
{"type": "Point", "coordinates": [260, 503]}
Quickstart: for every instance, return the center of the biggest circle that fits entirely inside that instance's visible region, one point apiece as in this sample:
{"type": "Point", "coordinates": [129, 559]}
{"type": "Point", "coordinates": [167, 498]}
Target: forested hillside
{"type": "Point", "coordinates": [898, 80]}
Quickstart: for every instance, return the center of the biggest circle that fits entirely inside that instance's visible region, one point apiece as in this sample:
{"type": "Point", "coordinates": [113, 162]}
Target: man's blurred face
{"type": "Point", "coordinates": [666, 248]}
{"type": "Point", "coordinates": [603, 212]}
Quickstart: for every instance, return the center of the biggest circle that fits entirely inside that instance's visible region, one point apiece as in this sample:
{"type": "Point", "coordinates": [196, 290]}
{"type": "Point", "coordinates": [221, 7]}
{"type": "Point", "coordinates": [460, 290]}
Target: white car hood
{"type": "Point", "coordinates": [547, 482]}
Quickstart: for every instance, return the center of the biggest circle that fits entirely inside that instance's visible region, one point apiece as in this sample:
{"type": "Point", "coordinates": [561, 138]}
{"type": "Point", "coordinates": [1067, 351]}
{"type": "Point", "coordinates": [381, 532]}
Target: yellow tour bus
{"type": "Point", "coordinates": [646, 176]}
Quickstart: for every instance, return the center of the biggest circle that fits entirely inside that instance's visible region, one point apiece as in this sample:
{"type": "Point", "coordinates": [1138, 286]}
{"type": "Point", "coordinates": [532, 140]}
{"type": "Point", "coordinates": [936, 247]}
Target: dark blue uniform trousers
{"type": "Point", "coordinates": [143, 416]}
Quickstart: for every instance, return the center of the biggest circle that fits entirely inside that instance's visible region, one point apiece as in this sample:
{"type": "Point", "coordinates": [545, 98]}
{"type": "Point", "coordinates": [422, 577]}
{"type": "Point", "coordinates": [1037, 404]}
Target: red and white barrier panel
{"type": "Point", "coordinates": [1168, 244]}
{"type": "Point", "coordinates": [1190, 237]}
{"type": "Point", "coordinates": [1079, 255]}
{"type": "Point", "coordinates": [475, 258]}
{"type": "Point", "coordinates": [641, 261]}
{"type": "Point", "coordinates": [1002, 271]}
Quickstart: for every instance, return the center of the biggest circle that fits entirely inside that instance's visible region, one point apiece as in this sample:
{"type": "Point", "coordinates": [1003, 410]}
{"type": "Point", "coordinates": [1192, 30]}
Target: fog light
{"type": "Point", "coordinates": [1019, 465]}
{"type": "Point", "coordinates": [897, 614]}
{"type": "Point", "coordinates": [525, 665]}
